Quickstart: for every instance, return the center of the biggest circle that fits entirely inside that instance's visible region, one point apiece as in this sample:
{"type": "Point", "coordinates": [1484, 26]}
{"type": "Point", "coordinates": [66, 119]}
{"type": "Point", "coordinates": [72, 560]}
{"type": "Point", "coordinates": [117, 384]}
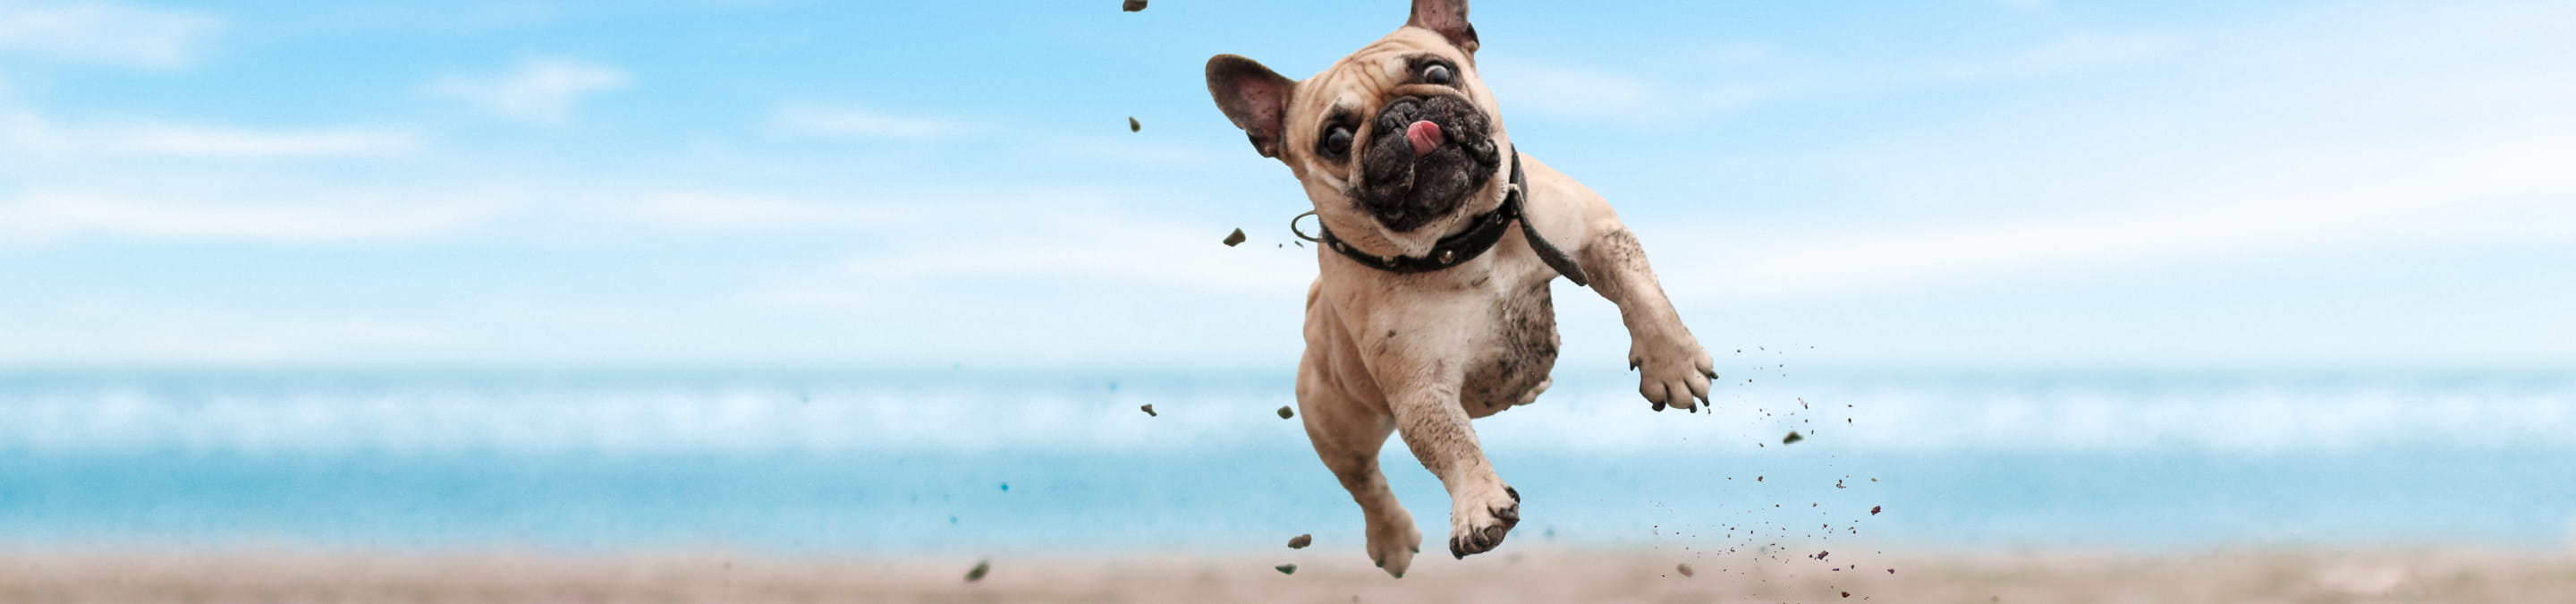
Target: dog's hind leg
{"type": "Point", "coordinates": [1348, 435]}
{"type": "Point", "coordinates": [1425, 404]}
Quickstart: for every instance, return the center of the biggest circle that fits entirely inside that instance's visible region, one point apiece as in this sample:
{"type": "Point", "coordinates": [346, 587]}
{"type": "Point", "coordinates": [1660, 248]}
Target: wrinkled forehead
{"type": "Point", "coordinates": [1364, 78]}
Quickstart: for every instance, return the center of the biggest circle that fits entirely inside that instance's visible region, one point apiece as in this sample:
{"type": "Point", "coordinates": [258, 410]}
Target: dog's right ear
{"type": "Point", "coordinates": [1253, 97]}
{"type": "Point", "coordinates": [1449, 19]}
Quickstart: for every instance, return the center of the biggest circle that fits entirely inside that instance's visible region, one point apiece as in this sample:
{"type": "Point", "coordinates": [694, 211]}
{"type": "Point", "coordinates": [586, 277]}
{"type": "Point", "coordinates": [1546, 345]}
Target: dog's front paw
{"type": "Point", "coordinates": [1392, 541]}
{"type": "Point", "coordinates": [1672, 370]}
{"type": "Point", "coordinates": [1477, 523]}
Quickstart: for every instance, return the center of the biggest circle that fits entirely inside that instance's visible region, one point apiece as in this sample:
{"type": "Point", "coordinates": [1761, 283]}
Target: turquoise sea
{"type": "Point", "coordinates": [965, 461]}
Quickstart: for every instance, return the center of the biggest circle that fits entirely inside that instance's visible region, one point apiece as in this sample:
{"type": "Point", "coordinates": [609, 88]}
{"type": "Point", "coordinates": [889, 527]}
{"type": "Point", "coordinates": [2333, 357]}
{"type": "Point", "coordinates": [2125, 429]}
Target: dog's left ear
{"type": "Point", "coordinates": [1448, 18]}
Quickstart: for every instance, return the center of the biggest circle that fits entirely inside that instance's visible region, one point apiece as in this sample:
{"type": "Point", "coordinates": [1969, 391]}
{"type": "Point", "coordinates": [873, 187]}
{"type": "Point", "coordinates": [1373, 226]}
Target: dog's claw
{"type": "Point", "coordinates": [1480, 529]}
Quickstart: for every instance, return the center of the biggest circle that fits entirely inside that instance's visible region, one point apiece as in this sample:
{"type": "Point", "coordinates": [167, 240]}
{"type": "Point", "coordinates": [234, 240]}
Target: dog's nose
{"type": "Point", "coordinates": [1424, 135]}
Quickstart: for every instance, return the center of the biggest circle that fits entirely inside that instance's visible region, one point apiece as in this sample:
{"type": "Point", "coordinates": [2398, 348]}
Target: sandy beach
{"type": "Point", "coordinates": [1529, 576]}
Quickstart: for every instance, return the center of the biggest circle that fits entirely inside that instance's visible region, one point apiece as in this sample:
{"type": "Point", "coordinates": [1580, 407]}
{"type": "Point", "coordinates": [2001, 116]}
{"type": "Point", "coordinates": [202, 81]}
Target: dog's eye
{"type": "Point", "coordinates": [1437, 74]}
{"type": "Point", "coordinates": [1337, 142]}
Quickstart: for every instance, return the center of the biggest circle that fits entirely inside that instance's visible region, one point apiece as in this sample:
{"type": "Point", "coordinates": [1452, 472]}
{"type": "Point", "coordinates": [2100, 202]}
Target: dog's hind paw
{"type": "Point", "coordinates": [1478, 524]}
{"type": "Point", "coordinates": [1392, 543]}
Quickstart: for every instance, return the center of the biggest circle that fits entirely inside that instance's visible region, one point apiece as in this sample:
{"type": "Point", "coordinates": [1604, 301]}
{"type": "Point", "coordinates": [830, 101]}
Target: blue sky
{"type": "Point", "coordinates": [1969, 182]}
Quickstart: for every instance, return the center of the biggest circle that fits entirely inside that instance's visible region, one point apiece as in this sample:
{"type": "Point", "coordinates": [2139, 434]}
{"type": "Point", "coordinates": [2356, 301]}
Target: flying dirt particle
{"type": "Point", "coordinates": [1847, 594]}
{"type": "Point", "coordinates": [1821, 555]}
{"type": "Point", "coordinates": [1134, 126]}
{"type": "Point", "coordinates": [1149, 410]}
{"type": "Point", "coordinates": [1301, 541]}
{"type": "Point", "coordinates": [1757, 479]}
{"type": "Point", "coordinates": [1684, 569]}
{"type": "Point", "coordinates": [1284, 413]}
{"type": "Point", "coordinates": [1891, 571]}
{"type": "Point", "coordinates": [1873, 510]}
{"type": "Point", "coordinates": [1791, 438]}
{"type": "Point", "coordinates": [1006, 487]}
{"type": "Point", "coordinates": [1134, 5]}
{"type": "Point", "coordinates": [977, 574]}
{"type": "Point", "coordinates": [1286, 569]}
{"type": "Point", "coordinates": [1234, 239]}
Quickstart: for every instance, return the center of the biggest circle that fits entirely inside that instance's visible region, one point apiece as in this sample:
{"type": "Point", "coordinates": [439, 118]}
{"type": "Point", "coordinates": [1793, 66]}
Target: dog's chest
{"type": "Point", "coordinates": [1516, 352]}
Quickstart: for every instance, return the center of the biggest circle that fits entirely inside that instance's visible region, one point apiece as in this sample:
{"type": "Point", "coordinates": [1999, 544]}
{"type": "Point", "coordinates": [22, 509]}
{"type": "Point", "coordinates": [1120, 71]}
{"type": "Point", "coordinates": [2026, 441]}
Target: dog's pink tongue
{"type": "Point", "coordinates": [1424, 135]}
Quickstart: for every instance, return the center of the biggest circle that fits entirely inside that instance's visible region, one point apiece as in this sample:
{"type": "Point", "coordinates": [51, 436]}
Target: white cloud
{"type": "Point", "coordinates": [128, 331]}
{"type": "Point", "coordinates": [1067, 235]}
{"type": "Point", "coordinates": [30, 133]}
{"type": "Point", "coordinates": [1812, 263]}
{"type": "Point", "coordinates": [43, 216]}
{"type": "Point", "coordinates": [713, 210]}
{"type": "Point", "coordinates": [105, 32]}
{"type": "Point", "coordinates": [861, 122]}
{"type": "Point", "coordinates": [2070, 51]}
{"type": "Point", "coordinates": [1140, 151]}
{"type": "Point", "coordinates": [1091, 245]}
{"type": "Point", "coordinates": [1608, 95]}
{"type": "Point", "coordinates": [1574, 91]}
{"type": "Point", "coordinates": [542, 89]}
{"type": "Point", "coordinates": [199, 141]}
{"type": "Point", "coordinates": [2292, 139]}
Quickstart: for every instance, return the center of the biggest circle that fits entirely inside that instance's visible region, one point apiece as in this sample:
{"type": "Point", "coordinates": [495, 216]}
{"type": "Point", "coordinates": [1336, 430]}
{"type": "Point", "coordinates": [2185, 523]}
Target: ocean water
{"type": "Point", "coordinates": [981, 462]}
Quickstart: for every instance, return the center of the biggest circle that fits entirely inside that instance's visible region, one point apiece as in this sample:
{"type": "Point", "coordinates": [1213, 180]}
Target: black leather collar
{"type": "Point", "coordinates": [1480, 236]}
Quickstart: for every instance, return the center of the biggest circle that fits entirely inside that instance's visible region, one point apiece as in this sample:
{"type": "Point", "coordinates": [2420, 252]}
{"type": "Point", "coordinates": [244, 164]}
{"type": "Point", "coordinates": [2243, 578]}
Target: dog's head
{"type": "Point", "coordinates": [1397, 144]}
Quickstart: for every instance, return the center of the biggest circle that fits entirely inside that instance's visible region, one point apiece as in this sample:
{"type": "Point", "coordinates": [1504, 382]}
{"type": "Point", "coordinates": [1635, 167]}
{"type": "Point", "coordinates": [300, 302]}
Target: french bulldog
{"type": "Point", "coordinates": [1424, 314]}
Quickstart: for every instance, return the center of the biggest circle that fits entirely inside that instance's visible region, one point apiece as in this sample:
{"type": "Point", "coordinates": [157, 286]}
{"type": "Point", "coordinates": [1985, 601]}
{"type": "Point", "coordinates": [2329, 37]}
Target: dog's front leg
{"type": "Point", "coordinates": [1423, 395]}
{"type": "Point", "coordinates": [1672, 367]}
